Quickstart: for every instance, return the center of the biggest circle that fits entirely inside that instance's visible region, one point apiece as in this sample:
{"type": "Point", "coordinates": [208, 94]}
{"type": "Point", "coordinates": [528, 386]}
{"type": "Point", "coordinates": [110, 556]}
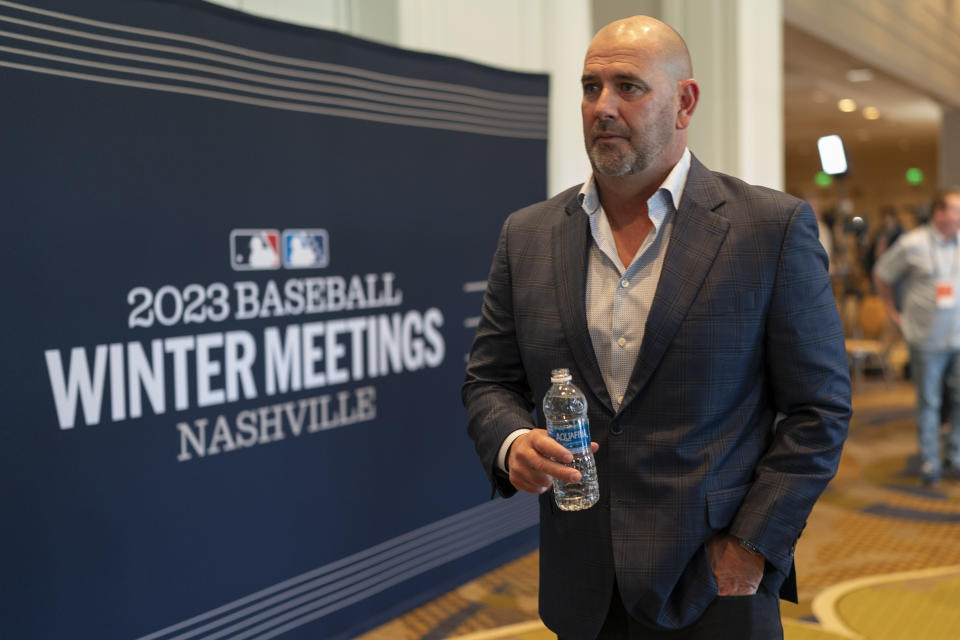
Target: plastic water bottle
{"type": "Point", "coordinates": [566, 412]}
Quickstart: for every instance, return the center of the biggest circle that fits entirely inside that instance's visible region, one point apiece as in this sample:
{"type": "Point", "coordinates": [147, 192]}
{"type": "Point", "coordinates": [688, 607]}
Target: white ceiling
{"type": "Point", "coordinates": [816, 78]}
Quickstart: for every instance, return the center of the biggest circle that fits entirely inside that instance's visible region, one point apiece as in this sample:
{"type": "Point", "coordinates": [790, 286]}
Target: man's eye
{"type": "Point", "coordinates": [628, 87]}
{"type": "Point", "coordinates": [590, 88]}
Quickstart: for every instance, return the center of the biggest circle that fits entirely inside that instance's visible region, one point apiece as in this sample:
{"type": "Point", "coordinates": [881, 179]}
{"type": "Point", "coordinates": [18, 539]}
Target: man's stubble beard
{"type": "Point", "coordinates": [610, 160]}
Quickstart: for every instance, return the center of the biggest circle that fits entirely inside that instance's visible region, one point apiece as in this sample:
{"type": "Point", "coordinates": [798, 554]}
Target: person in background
{"type": "Point", "coordinates": [925, 264]}
{"type": "Point", "coordinates": [824, 228]}
{"type": "Point", "coordinates": [695, 313]}
{"type": "Point", "coordinates": [888, 232]}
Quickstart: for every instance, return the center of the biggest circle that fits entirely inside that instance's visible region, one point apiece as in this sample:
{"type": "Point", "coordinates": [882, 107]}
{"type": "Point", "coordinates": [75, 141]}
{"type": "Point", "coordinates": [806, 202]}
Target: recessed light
{"type": "Point", "coordinates": [847, 105]}
{"type": "Point", "coordinates": [871, 113]}
{"type": "Point", "coordinates": [859, 75]}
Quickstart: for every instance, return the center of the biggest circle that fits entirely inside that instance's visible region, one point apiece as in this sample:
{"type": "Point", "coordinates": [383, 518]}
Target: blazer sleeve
{"type": "Point", "coordinates": [496, 394]}
{"type": "Point", "coordinates": [806, 366]}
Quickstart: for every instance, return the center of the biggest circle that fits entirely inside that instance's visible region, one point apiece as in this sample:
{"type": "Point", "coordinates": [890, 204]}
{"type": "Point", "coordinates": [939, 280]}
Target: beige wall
{"type": "Point", "coordinates": [876, 178]}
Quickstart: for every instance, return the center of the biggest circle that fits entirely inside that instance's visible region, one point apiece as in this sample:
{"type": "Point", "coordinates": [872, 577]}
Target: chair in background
{"type": "Point", "coordinates": [870, 345]}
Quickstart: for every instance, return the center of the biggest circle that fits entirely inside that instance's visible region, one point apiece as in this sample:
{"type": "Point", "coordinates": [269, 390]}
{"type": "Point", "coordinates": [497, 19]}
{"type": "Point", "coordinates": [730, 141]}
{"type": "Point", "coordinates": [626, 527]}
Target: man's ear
{"type": "Point", "coordinates": [689, 92]}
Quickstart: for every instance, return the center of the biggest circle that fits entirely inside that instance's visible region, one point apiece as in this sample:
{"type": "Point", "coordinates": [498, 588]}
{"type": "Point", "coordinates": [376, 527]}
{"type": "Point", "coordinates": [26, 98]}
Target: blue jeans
{"type": "Point", "coordinates": [928, 369]}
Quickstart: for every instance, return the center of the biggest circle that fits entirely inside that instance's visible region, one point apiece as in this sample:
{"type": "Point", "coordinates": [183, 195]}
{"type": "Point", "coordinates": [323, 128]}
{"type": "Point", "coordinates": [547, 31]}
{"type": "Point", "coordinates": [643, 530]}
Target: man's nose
{"type": "Point", "coordinates": [606, 105]}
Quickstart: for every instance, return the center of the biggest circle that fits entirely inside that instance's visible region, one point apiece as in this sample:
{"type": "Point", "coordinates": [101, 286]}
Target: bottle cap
{"type": "Point", "coordinates": [560, 375]}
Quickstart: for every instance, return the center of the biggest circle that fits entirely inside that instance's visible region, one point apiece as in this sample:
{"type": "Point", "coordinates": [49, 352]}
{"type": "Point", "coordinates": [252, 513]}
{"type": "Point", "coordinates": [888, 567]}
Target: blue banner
{"type": "Point", "coordinates": [245, 264]}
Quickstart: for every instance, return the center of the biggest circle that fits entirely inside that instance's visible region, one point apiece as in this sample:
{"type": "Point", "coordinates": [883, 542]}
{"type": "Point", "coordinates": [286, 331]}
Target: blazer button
{"type": "Point", "coordinates": [615, 428]}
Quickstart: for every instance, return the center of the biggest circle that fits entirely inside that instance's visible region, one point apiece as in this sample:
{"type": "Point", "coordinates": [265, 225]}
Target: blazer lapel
{"type": "Point", "coordinates": [570, 243]}
{"type": "Point", "coordinates": [698, 233]}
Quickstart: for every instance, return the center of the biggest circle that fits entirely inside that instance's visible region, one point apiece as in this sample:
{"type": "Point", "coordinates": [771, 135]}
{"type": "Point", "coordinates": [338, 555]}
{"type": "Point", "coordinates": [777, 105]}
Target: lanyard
{"type": "Point", "coordinates": [937, 263]}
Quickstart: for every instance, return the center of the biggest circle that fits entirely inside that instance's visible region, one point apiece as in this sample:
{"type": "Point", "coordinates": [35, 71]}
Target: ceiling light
{"type": "Point", "coordinates": [832, 157]}
{"type": "Point", "coordinates": [859, 75]}
{"type": "Point", "coordinates": [847, 105]}
{"type": "Point", "coordinates": [819, 97]}
{"type": "Point", "coordinates": [871, 113]}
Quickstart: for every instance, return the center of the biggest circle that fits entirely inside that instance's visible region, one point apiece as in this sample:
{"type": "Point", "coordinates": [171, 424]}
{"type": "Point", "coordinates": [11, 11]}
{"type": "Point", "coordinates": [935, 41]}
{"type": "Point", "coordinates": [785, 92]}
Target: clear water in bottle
{"type": "Point", "coordinates": [565, 408]}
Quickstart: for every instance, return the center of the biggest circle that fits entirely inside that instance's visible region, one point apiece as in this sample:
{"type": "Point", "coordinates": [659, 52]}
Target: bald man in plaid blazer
{"type": "Point", "coordinates": [727, 422]}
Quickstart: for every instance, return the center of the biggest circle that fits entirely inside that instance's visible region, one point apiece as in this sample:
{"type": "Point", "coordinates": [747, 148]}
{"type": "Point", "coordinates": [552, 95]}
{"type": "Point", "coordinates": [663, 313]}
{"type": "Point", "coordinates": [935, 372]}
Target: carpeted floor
{"type": "Point", "coordinates": [879, 558]}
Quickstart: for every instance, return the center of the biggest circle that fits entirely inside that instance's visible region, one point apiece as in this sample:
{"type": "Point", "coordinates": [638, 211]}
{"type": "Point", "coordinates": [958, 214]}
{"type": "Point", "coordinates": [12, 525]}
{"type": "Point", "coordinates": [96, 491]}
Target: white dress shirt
{"type": "Point", "coordinates": [618, 297]}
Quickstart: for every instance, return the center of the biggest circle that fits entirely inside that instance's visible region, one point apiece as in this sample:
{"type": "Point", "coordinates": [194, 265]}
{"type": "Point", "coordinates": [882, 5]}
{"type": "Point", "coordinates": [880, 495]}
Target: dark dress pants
{"type": "Point", "coordinates": [755, 617]}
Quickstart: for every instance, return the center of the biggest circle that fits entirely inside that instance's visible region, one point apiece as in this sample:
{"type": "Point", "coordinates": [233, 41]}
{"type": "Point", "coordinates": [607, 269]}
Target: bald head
{"type": "Point", "coordinates": [638, 98]}
{"type": "Point", "coordinates": [657, 39]}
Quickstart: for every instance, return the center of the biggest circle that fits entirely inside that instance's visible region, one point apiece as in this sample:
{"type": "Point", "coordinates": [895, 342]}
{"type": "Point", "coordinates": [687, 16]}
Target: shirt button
{"type": "Point", "coordinates": [620, 399]}
{"type": "Point", "coordinates": [622, 342]}
{"type": "Point", "coordinates": [624, 283]}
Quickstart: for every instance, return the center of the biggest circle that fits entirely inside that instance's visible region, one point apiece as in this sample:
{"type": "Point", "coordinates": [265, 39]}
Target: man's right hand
{"type": "Point", "coordinates": [530, 466]}
{"type": "Point", "coordinates": [885, 291]}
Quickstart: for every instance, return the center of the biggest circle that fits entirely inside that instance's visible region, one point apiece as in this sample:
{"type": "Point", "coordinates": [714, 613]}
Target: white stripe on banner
{"type": "Point", "coordinates": [343, 113]}
{"type": "Point", "coordinates": [475, 287]}
{"type": "Point", "coordinates": [252, 53]}
{"type": "Point", "coordinates": [397, 100]}
{"type": "Point", "coordinates": [262, 91]}
{"type": "Point", "coordinates": [382, 84]}
{"type": "Point", "coordinates": [252, 77]}
{"type": "Point", "coordinates": [332, 587]}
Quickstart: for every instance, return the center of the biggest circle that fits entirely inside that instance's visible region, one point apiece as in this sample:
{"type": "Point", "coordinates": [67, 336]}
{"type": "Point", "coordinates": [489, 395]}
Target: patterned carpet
{"type": "Point", "coordinates": [879, 558]}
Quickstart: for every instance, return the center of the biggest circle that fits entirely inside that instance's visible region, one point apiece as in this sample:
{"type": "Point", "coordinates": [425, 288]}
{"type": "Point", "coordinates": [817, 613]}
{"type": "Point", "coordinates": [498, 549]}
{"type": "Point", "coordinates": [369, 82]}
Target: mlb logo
{"type": "Point", "coordinates": [305, 248]}
{"type": "Point", "coordinates": [254, 249]}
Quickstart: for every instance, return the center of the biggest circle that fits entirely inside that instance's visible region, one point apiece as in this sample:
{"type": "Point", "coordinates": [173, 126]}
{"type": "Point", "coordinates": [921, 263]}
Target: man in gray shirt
{"type": "Point", "coordinates": [925, 263]}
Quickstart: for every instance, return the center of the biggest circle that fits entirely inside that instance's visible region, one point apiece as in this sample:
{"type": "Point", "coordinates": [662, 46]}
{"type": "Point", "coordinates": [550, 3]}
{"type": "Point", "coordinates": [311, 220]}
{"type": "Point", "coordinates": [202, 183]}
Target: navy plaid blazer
{"type": "Point", "coordinates": [743, 327]}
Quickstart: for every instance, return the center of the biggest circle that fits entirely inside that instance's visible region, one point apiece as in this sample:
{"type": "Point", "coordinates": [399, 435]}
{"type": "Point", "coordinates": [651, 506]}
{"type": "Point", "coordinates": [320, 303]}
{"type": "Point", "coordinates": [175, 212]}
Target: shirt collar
{"type": "Point", "coordinates": [674, 184]}
{"type": "Point", "coordinates": [939, 237]}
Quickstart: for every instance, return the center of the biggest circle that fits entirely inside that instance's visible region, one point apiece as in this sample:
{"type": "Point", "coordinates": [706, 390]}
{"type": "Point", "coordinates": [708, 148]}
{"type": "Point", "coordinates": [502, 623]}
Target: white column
{"type": "Point", "coordinates": [737, 51]}
{"type": "Point", "coordinates": [372, 19]}
{"type": "Point", "coordinates": [328, 14]}
{"type": "Point", "coordinates": [948, 171]}
{"type": "Point", "coordinates": [567, 35]}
